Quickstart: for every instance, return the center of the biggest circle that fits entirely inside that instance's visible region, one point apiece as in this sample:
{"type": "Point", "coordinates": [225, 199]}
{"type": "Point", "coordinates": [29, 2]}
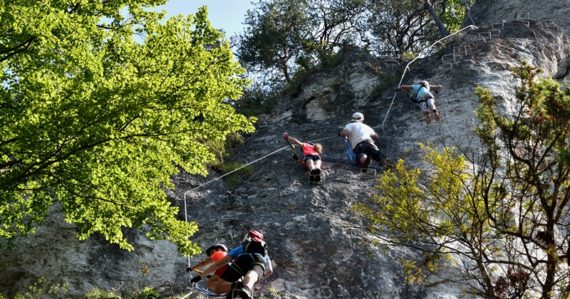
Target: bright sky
{"type": "Point", "coordinates": [227, 15]}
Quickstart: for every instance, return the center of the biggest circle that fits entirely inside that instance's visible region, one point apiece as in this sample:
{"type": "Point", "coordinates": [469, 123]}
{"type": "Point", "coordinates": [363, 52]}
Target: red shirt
{"type": "Point", "coordinates": [309, 149]}
{"type": "Point", "coordinates": [221, 270]}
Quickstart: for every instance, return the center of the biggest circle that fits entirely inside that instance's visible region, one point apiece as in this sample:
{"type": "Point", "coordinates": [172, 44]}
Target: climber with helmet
{"type": "Point", "coordinates": [216, 262]}
{"type": "Point", "coordinates": [214, 254]}
{"type": "Point", "coordinates": [249, 262]}
{"type": "Point", "coordinates": [420, 94]}
{"type": "Point", "coordinates": [311, 157]}
{"type": "Point", "coordinates": [361, 138]}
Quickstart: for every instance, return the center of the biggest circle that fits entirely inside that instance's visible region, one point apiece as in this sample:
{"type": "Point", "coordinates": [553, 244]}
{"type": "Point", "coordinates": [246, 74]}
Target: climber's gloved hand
{"type": "Point", "coordinates": [286, 136]}
{"type": "Point", "coordinates": [195, 279]}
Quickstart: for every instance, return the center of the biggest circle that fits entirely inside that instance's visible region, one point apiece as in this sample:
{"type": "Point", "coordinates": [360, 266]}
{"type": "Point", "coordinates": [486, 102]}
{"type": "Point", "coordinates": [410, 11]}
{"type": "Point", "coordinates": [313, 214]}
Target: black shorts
{"type": "Point", "coordinates": [243, 264]}
{"type": "Point", "coordinates": [312, 157]}
{"type": "Point", "coordinates": [369, 149]}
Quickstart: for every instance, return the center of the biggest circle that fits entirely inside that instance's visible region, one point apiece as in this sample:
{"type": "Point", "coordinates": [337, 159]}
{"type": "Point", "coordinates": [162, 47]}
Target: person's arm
{"type": "Point", "coordinates": [197, 267]}
{"type": "Point", "coordinates": [343, 133]}
{"type": "Point", "coordinates": [405, 88]}
{"type": "Point", "coordinates": [215, 266]}
{"type": "Point", "coordinates": [375, 136]}
{"type": "Point", "coordinates": [269, 269]}
{"type": "Point", "coordinates": [435, 88]}
{"type": "Point", "coordinates": [294, 140]}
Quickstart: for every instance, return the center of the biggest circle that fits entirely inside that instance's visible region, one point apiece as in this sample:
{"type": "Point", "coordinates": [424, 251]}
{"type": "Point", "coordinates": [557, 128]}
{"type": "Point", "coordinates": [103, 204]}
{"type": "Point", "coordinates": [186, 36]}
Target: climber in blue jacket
{"type": "Point", "coordinates": [420, 93]}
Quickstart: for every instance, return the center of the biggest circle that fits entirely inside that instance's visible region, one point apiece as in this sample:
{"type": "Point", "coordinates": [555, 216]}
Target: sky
{"type": "Point", "coordinates": [227, 15]}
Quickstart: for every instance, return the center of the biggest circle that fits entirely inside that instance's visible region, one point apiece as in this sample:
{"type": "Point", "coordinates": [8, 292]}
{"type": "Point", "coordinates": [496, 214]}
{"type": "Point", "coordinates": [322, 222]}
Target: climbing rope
{"type": "Point", "coordinates": [237, 169]}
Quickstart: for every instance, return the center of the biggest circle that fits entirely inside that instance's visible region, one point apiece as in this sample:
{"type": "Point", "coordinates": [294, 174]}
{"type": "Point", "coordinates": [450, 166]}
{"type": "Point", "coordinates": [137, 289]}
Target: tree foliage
{"type": "Point", "coordinates": [501, 218]}
{"type": "Point", "coordinates": [274, 36]}
{"type": "Point", "coordinates": [287, 35]}
{"type": "Point", "coordinates": [398, 27]}
{"type": "Point", "coordinates": [101, 103]}
{"type": "Point", "coordinates": [283, 37]}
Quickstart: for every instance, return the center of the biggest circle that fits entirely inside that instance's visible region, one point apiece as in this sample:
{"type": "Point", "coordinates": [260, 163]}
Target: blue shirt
{"type": "Point", "coordinates": [422, 93]}
{"type": "Point", "coordinates": [234, 252]}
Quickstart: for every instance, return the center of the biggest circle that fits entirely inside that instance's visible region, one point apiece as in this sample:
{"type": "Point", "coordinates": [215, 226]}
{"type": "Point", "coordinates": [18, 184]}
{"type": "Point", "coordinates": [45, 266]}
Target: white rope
{"type": "Point", "coordinates": [324, 138]}
{"type": "Point", "coordinates": [237, 169]}
{"type": "Point", "coordinates": [407, 68]}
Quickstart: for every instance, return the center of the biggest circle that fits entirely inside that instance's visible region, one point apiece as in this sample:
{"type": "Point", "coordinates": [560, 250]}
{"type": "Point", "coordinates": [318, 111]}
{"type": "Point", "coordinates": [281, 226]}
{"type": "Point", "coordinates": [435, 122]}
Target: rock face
{"type": "Point", "coordinates": [487, 12]}
{"type": "Point", "coordinates": [321, 249]}
{"type": "Point", "coordinates": [54, 264]}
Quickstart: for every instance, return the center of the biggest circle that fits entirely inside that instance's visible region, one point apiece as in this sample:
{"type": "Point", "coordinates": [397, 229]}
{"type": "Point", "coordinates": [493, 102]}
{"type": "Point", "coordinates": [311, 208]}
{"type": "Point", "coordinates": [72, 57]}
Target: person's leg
{"type": "Point", "coordinates": [361, 156]}
{"type": "Point", "coordinates": [318, 164]}
{"type": "Point", "coordinates": [431, 108]}
{"type": "Point", "coordinates": [249, 279]}
{"type": "Point", "coordinates": [427, 118]}
{"type": "Point", "coordinates": [379, 157]}
{"type": "Point", "coordinates": [435, 115]}
{"type": "Point", "coordinates": [218, 285]}
{"type": "Point", "coordinates": [425, 110]}
{"type": "Point", "coordinates": [364, 161]}
{"type": "Point", "coordinates": [316, 172]}
{"type": "Point", "coordinates": [310, 164]}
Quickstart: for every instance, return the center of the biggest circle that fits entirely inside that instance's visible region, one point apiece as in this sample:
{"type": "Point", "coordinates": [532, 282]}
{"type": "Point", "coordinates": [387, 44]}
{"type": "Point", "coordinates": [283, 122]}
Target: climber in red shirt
{"type": "Point", "coordinates": [311, 156]}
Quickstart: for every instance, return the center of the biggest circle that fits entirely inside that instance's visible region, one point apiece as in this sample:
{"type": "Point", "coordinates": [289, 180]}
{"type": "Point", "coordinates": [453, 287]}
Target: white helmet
{"type": "Point", "coordinates": [357, 116]}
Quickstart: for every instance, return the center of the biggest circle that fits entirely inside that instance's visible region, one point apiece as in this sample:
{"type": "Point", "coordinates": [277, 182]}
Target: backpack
{"type": "Point", "coordinates": [255, 245]}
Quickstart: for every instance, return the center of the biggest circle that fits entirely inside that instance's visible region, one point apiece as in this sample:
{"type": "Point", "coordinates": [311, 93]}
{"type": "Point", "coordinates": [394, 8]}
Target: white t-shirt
{"type": "Point", "coordinates": [358, 132]}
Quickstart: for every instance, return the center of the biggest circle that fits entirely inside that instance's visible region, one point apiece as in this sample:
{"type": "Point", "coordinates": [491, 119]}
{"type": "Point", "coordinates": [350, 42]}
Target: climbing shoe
{"type": "Point", "coordinates": [246, 293]}
{"type": "Point", "coordinates": [315, 176]}
{"type": "Point", "coordinates": [235, 290]}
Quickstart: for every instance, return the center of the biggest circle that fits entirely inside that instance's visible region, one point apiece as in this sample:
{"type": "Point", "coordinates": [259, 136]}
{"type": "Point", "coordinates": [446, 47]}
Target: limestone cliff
{"type": "Point", "coordinates": [321, 249]}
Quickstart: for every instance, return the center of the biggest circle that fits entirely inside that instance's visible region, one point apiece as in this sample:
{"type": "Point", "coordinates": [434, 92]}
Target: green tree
{"type": "Point", "coordinates": [273, 37]}
{"type": "Point", "coordinates": [502, 217]}
{"type": "Point", "coordinates": [398, 26]}
{"type": "Point", "coordinates": [287, 36]}
{"type": "Point", "coordinates": [453, 13]}
{"type": "Point", "coordinates": [333, 23]}
{"type": "Point", "coordinates": [101, 103]}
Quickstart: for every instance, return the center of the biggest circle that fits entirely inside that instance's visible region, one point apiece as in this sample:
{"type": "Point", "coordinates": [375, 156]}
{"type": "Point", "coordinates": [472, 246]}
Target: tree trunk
{"type": "Point", "coordinates": [551, 262]}
{"type": "Point", "coordinates": [440, 27]}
